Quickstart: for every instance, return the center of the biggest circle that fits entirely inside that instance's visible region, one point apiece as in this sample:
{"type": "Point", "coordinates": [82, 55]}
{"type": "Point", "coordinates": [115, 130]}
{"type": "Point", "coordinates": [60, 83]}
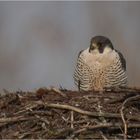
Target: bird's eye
{"type": "Point", "coordinates": [93, 46]}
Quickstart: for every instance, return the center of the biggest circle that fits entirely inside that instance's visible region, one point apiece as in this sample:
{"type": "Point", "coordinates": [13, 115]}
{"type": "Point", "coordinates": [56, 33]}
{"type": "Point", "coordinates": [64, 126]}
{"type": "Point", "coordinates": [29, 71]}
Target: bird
{"type": "Point", "coordinates": [100, 66]}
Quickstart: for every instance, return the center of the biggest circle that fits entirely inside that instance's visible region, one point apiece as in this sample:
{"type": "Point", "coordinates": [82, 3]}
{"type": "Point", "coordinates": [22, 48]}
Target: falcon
{"type": "Point", "coordinates": [100, 66]}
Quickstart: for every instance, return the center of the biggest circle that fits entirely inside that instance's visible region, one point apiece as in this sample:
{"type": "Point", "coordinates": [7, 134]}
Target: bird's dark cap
{"type": "Point", "coordinates": [101, 41]}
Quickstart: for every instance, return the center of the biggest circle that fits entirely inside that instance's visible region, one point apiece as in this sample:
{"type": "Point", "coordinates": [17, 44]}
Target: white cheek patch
{"type": "Point", "coordinates": [107, 50]}
{"type": "Point", "coordinates": [95, 51]}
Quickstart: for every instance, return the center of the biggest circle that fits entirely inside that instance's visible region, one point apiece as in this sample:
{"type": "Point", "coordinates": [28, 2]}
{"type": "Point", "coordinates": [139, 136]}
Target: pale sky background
{"type": "Point", "coordinates": [40, 41]}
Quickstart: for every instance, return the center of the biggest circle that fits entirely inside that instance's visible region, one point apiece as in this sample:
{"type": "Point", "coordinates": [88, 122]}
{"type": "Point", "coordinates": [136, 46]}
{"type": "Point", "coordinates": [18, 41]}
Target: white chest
{"type": "Point", "coordinates": [99, 61]}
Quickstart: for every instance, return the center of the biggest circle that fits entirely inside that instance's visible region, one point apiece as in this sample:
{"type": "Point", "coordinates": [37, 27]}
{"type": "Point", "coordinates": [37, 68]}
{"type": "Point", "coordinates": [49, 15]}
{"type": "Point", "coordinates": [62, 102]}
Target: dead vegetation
{"type": "Point", "coordinates": [62, 114]}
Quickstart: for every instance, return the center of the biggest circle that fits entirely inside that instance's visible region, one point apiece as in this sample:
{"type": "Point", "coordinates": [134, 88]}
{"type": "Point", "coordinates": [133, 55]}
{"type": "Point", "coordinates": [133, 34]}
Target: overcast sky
{"type": "Point", "coordinates": [40, 41]}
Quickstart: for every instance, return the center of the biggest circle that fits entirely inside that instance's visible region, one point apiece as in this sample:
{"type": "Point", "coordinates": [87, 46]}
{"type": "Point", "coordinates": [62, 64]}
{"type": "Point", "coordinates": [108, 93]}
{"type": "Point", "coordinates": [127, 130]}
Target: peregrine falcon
{"type": "Point", "coordinates": [100, 66]}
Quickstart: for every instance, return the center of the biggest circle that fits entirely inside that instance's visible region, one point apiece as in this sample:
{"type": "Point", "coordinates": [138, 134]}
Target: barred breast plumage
{"type": "Point", "coordinates": [95, 70]}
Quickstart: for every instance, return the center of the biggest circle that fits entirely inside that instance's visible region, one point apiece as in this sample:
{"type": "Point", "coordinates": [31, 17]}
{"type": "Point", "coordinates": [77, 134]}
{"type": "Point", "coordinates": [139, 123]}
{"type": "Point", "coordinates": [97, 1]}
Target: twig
{"type": "Point", "coordinates": [72, 108]}
{"type": "Point", "coordinates": [105, 125]}
{"type": "Point", "coordinates": [125, 89]}
{"type": "Point", "coordinates": [72, 119]}
{"type": "Point", "coordinates": [42, 119]}
{"type": "Point", "coordinates": [26, 108]}
{"type": "Point", "coordinates": [14, 119]}
{"type": "Point", "coordinates": [124, 122]}
{"type": "Point", "coordinates": [66, 119]}
{"type": "Point", "coordinates": [93, 114]}
{"type": "Point", "coordinates": [122, 114]}
{"type": "Point", "coordinates": [22, 136]}
{"type": "Point", "coordinates": [99, 109]}
{"type": "Point", "coordinates": [92, 128]}
{"type": "Point", "coordinates": [103, 136]}
{"type": "Point", "coordinates": [58, 91]}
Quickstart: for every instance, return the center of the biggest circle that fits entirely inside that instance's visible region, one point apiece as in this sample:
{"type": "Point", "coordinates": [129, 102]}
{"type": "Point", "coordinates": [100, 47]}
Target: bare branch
{"type": "Point", "coordinates": [89, 113]}
{"type": "Point", "coordinates": [122, 114]}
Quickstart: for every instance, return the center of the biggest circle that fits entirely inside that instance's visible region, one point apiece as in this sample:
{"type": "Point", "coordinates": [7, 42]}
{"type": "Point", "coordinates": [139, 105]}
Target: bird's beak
{"type": "Point", "coordinates": [101, 50]}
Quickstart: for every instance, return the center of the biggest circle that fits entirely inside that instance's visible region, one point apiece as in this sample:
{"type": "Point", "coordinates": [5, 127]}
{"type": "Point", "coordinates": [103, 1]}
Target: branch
{"type": "Point", "coordinates": [122, 114]}
{"type": "Point", "coordinates": [107, 125]}
{"type": "Point", "coordinates": [89, 113]}
{"type": "Point", "coordinates": [14, 119]}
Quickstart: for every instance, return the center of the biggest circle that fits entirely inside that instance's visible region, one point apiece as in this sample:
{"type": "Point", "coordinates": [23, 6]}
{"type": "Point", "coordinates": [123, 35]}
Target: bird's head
{"type": "Point", "coordinates": [100, 45]}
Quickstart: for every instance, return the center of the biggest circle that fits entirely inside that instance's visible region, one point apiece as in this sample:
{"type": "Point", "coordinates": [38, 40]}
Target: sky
{"type": "Point", "coordinates": [40, 41]}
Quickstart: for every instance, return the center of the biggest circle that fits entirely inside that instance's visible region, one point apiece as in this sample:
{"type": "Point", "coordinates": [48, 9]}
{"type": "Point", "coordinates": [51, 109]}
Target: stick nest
{"type": "Point", "coordinates": [51, 113]}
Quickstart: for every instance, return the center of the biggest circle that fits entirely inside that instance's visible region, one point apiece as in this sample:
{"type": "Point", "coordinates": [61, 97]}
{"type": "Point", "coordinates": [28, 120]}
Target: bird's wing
{"type": "Point", "coordinates": [122, 60]}
{"type": "Point", "coordinates": [82, 72]}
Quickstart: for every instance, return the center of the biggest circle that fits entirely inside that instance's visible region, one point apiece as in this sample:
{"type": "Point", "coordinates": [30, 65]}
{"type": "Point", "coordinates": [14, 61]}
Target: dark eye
{"type": "Point", "coordinates": [99, 44]}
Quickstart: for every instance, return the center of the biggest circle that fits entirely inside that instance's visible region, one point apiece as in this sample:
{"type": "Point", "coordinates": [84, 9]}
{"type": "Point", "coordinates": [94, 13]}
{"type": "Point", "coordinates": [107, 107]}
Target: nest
{"type": "Point", "coordinates": [51, 113]}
